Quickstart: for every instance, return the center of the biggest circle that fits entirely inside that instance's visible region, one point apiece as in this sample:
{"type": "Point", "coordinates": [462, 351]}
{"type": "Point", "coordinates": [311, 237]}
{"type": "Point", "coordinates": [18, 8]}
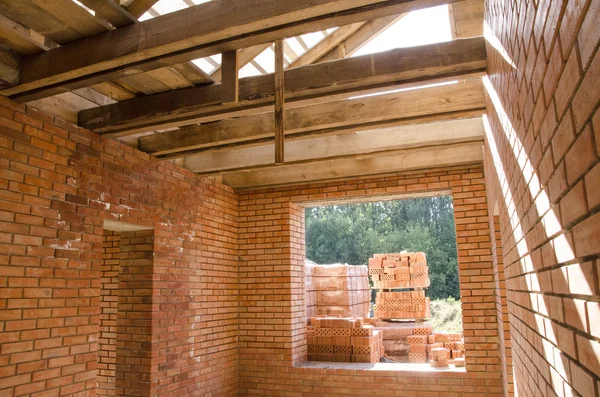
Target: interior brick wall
{"type": "Point", "coordinates": [136, 346]}
{"type": "Point", "coordinates": [109, 300]}
{"type": "Point", "coordinates": [271, 297]}
{"type": "Point", "coordinates": [543, 143]}
{"type": "Point", "coordinates": [58, 183]}
{"type": "Point", "coordinates": [502, 307]}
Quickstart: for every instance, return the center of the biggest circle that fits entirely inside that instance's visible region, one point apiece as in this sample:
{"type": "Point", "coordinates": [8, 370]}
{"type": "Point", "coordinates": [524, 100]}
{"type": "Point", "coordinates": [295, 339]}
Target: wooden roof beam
{"type": "Point", "coordinates": [298, 150]}
{"type": "Point", "coordinates": [357, 166]}
{"type": "Point", "coordinates": [195, 32]}
{"type": "Point", "coordinates": [325, 118]}
{"type": "Point", "coordinates": [304, 85]}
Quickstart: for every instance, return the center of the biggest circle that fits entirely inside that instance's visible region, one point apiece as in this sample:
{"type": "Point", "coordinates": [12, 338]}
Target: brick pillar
{"type": "Point", "coordinates": [109, 295]}
{"type": "Point", "coordinates": [134, 317]}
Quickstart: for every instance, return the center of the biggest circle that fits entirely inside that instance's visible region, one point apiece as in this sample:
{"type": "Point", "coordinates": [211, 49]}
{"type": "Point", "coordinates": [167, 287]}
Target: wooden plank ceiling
{"type": "Point", "coordinates": [149, 73]}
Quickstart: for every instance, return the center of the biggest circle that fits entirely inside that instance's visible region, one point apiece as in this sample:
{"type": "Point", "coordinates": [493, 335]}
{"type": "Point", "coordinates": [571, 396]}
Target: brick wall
{"type": "Point", "coordinates": [58, 184]}
{"type": "Point", "coordinates": [272, 310]}
{"type": "Point", "coordinates": [502, 307]}
{"type": "Point", "coordinates": [109, 297]}
{"type": "Point", "coordinates": [543, 144]}
{"type": "Point", "coordinates": [136, 344]}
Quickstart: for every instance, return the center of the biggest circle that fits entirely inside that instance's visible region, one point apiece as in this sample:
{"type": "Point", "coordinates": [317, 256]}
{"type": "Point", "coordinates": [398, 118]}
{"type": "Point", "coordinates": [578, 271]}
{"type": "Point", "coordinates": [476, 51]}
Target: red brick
{"type": "Point", "coordinates": [589, 35]}
{"type": "Point", "coordinates": [573, 205]}
{"type": "Point", "coordinates": [570, 24]}
{"type": "Point", "coordinates": [563, 138]}
{"type": "Point", "coordinates": [588, 96]}
{"type": "Point", "coordinates": [567, 84]}
{"type": "Point", "coordinates": [580, 156]}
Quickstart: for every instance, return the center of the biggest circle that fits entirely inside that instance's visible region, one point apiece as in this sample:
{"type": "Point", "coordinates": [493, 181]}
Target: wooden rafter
{"type": "Point", "coordinates": [325, 45]}
{"type": "Point", "coordinates": [304, 85]}
{"type": "Point", "coordinates": [195, 32]}
{"type": "Point", "coordinates": [324, 118]}
{"type": "Point", "coordinates": [111, 12]}
{"type": "Point", "coordinates": [369, 31]}
{"type": "Point", "coordinates": [139, 7]}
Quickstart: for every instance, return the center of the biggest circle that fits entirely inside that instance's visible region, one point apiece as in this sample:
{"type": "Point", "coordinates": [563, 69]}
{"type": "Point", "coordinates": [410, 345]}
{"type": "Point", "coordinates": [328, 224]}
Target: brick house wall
{"type": "Point", "coordinates": [271, 296]}
{"type": "Point", "coordinates": [543, 142]}
{"type": "Point", "coordinates": [109, 300]}
{"type": "Point", "coordinates": [58, 183]}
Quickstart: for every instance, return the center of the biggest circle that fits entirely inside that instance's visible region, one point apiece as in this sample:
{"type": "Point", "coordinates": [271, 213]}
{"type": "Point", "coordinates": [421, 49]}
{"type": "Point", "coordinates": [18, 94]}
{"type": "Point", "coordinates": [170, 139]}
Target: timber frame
{"type": "Point", "coordinates": [339, 116]}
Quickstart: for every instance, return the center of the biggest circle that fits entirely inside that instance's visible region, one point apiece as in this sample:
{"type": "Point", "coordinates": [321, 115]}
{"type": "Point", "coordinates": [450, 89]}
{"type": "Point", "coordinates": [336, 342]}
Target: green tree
{"type": "Point", "coordinates": [353, 233]}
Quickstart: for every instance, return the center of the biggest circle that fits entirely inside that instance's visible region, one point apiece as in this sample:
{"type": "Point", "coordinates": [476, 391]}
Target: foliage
{"type": "Point", "coordinates": [446, 315]}
{"type": "Point", "coordinates": [353, 233]}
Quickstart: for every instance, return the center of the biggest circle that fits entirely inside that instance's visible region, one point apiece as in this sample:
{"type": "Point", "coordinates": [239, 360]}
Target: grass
{"type": "Point", "coordinates": [446, 315]}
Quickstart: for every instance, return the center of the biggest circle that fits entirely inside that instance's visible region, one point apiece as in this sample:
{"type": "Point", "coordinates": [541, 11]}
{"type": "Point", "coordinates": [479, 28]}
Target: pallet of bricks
{"type": "Point", "coordinates": [403, 270]}
{"type": "Point", "coordinates": [334, 339]}
{"type": "Point", "coordinates": [337, 290]}
{"type": "Point", "coordinates": [402, 305]}
{"type": "Point", "coordinates": [437, 349]}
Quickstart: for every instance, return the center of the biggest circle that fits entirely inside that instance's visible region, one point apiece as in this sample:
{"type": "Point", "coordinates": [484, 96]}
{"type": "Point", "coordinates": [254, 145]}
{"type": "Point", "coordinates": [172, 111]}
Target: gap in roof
{"type": "Point", "coordinates": [421, 27]}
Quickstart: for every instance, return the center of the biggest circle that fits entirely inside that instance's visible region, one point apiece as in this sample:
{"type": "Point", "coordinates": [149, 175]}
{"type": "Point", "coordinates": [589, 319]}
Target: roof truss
{"type": "Point", "coordinates": [202, 30]}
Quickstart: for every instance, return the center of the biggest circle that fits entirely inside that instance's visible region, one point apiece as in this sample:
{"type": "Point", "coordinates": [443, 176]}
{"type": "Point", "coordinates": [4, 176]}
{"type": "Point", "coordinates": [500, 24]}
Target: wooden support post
{"type": "Point", "coordinates": [230, 82]}
{"type": "Point", "coordinates": [279, 103]}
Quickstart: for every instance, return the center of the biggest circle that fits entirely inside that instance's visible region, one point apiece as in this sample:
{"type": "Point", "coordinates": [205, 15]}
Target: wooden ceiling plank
{"type": "Point", "coordinates": [111, 12]}
{"type": "Point", "coordinates": [73, 15]}
{"type": "Point", "coordinates": [38, 19]}
{"type": "Point", "coordinates": [335, 146]}
{"type": "Point", "coordinates": [326, 45]}
{"type": "Point", "coordinates": [193, 33]}
{"type": "Point", "coordinates": [144, 83]}
{"type": "Point", "coordinates": [245, 56]}
{"type": "Point", "coordinates": [362, 165]}
{"type": "Point", "coordinates": [114, 91]}
{"type": "Point", "coordinates": [21, 39]}
{"type": "Point", "coordinates": [170, 78]}
{"type": "Point", "coordinates": [352, 75]}
{"type": "Point", "coordinates": [328, 116]}
{"type": "Point", "coordinates": [193, 73]}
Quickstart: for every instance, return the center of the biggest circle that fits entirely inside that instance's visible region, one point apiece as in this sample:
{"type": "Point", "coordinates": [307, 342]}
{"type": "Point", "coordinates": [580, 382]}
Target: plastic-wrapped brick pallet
{"type": "Point", "coordinates": [337, 290]}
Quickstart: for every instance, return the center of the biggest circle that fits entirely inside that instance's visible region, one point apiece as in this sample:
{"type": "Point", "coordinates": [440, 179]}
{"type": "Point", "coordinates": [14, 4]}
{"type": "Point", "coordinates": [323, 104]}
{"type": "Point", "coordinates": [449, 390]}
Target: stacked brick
{"type": "Point", "coordinates": [405, 270]}
{"type": "Point", "coordinates": [337, 290]}
{"type": "Point", "coordinates": [336, 339]}
{"type": "Point", "coordinates": [437, 349]}
{"type": "Point", "coordinates": [402, 305]}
